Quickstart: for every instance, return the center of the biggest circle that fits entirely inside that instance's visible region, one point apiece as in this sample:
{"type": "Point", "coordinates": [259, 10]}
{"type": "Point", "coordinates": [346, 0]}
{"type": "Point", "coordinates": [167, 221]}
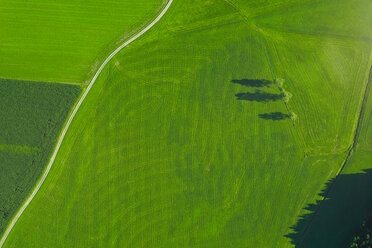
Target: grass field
{"type": "Point", "coordinates": [185, 140]}
{"type": "Point", "coordinates": [34, 122]}
{"type": "Point", "coordinates": [349, 201]}
{"type": "Point", "coordinates": [65, 41]}
{"type": "Point", "coordinates": [31, 117]}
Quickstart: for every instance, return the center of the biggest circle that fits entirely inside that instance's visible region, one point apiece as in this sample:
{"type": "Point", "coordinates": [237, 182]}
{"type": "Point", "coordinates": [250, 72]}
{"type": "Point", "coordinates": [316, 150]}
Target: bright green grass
{"type": "Point", "coordinates": [65, 41]}
{"type": "Point", "coordinates": [31, 117]}
{"type": "Point", "coordinates": [162, 154]}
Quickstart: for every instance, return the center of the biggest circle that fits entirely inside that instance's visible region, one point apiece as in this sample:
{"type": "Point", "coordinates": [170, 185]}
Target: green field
{"type": "Point", "coordinates": [31, 117]}
{"type": "Point", "coordinates": [65, 41]}
{"type": "Point", "coordinates": [349, 201]}
{"type": "Point", "coordinates": [186, 141]}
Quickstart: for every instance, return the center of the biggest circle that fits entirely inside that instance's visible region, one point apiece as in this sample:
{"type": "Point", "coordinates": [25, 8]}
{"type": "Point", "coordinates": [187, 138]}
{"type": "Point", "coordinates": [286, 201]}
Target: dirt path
{"type": "Point", "coordinates": [72, 116]}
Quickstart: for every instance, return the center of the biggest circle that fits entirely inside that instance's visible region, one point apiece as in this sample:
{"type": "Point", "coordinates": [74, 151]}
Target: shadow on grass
{"type": "Point", "coordinates": [252, 82]}
{"type": "Point", "coordinates": [275, 116]}
{"type": "Point", "coordinates": [258, 96]}
{"type": "Point", "coordinates": [332, 223]}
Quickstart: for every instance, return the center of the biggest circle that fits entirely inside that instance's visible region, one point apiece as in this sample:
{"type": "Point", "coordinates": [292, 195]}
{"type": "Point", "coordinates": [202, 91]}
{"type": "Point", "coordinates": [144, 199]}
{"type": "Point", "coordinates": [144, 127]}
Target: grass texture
{"type": "Point", "coordinates": [186, 141]}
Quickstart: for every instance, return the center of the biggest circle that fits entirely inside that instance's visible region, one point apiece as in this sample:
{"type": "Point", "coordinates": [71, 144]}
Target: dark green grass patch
{"type": "Point", "coordinates": [32, 115]}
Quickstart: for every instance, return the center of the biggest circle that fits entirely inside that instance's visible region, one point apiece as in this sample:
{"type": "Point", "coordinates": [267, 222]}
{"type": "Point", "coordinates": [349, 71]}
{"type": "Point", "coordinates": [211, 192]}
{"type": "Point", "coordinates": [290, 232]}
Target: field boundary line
{"type": "Point", "coordinates": [44, 82]}
{"type": "Point", "coordinates": [349, 150]}
{"type": "Point", "coordinates": [72, 116]}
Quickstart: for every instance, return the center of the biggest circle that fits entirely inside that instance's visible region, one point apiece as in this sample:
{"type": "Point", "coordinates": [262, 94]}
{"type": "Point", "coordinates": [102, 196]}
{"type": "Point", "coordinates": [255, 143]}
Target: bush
{"type": "Point", "coordinates": [286, 96]}
{"type": "Point", "coordinates": [279, 82]}
{"type": "Point", "coordinates": [293, 116]}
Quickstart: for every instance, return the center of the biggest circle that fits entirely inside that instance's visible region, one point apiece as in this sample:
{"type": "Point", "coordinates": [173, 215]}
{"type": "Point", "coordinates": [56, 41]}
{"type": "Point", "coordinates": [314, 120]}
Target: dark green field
{"type": "Point", "coordinates": [31, 117]}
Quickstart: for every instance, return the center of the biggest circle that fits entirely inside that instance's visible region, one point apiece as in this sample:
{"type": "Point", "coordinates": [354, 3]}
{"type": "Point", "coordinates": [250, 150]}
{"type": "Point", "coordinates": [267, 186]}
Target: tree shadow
{"type": "Point", "coordinates": [258, 96]}
{"type": "Point", "coordinates": [252, 82]}
{"type": "Point", "coordinates": [275, 116]}
{"type": "Point", "coordinates": [333, 222]}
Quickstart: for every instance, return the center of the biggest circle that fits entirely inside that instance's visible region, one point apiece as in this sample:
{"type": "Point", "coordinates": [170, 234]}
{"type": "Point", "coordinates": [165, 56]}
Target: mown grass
{"type": "Point", "coordinates": [65, 41]}
{"type": "Point", "coordinates": [164, 152]}
{"type": "Point", "coordinates": [31, 117]}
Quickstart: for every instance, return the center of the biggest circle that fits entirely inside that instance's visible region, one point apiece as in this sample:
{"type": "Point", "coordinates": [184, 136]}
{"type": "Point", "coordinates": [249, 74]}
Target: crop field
{"type": "Point", "coordinates": [223, 126]}
{"type": "Point", "coordinates": [64, 41]}
{"type": "Point", "coordinates": [31, 116]}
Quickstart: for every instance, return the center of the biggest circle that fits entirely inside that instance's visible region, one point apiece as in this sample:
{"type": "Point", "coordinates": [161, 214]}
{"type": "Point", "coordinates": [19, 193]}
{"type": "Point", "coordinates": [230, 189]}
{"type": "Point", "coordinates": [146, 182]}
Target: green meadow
{"type": "Point", "coordinates": [65, 41]}
{"type": "Point", "coordinates": [187, 139]}
{"type": "Point", "coordinates": [32, 114]}
{"type": "Point", "coordinates": [31, 117]}
{"type": "Point", "coordinates": [348, 200]}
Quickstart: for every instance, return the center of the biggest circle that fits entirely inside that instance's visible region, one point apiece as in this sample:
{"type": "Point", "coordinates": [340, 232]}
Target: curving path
{"type": "Point", "coordinates": [72, 116]}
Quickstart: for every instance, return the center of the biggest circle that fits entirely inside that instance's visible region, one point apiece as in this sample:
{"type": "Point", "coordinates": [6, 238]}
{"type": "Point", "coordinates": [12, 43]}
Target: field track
{"type": "Point", "coordinates": [65, 129]}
